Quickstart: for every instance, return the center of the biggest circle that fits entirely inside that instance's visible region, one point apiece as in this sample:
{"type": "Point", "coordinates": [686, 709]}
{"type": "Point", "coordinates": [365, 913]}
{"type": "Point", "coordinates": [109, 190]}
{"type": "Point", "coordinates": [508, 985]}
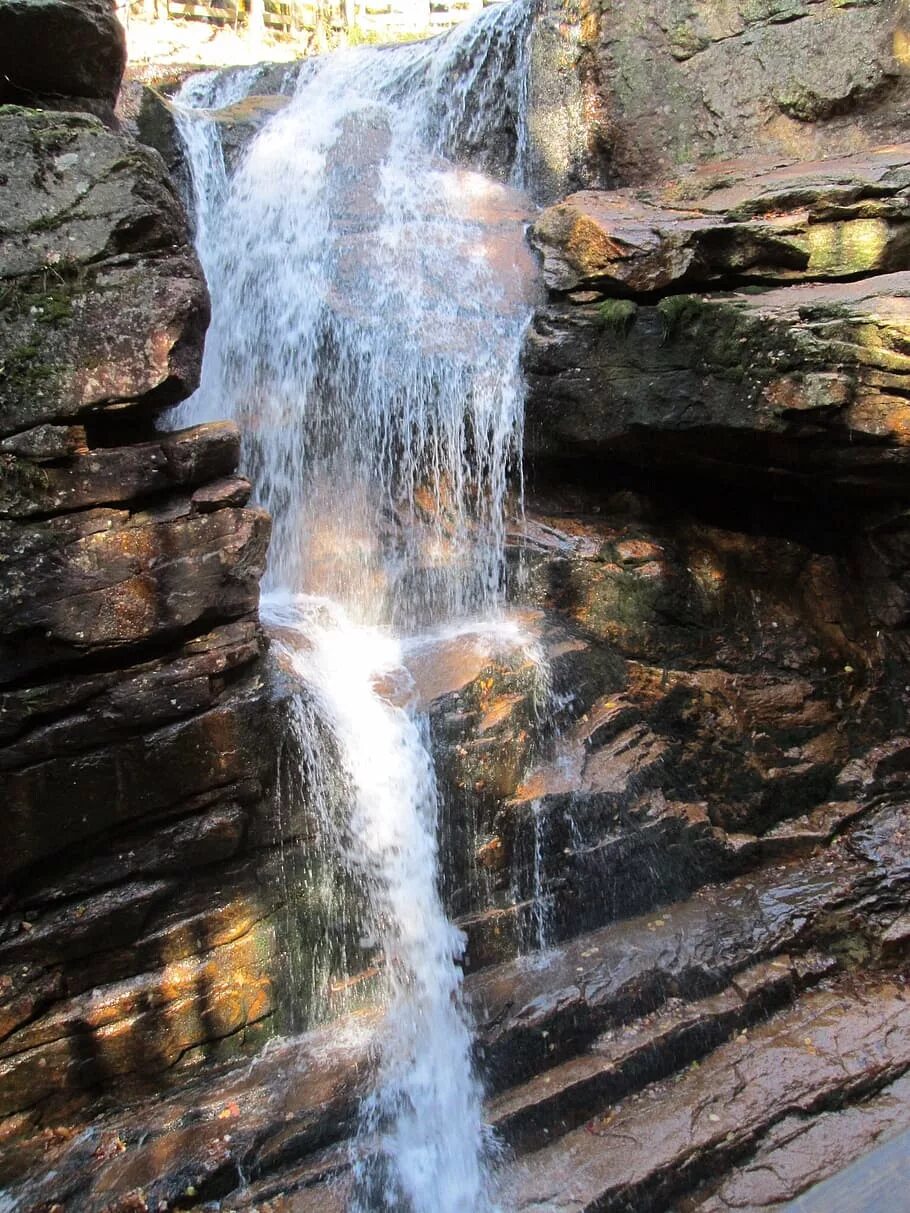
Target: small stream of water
{"type": "Point", "coordinates": [370, 290]}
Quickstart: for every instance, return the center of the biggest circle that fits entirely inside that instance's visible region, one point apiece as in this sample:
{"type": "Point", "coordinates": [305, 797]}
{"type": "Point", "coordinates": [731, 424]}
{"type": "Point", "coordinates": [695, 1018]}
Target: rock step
{"type": "Point", "coordinates": [833, 1048]}
{"type": "Point", "coordinates": [662, 851]}
{"type": "Point", "coordinates": [536, 1011]}
{"type": "Point", "coordinates": [802, 1150]}
{"type": "Point", "coordinates": [553, 1102]}
{"type": "Point", "coordinates": [254, 1124]}
{"type": "Point", "coordinates": [624, 1059]}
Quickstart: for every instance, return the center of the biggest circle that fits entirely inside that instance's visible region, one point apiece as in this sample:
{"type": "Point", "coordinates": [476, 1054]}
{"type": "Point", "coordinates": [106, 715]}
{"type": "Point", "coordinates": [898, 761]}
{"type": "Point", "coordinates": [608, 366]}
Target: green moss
{"type": "Point", "coordinates": [46, 298]}
{"type": "Point", "coordinates": [803, 104]}
{"type": "Point", "coordinates": [686, 42]}
{"type": "Point", "coordinates": [21, 483]}
{"type": "Point", "coordinates": [54, 307]}
{"type": "Point", "coordinates": [618, 315]}
{"type": "Point", "coordinates": [356, 35]}
{"type": "Point", "coordinates": [677, 312]}
{"type": "Point", "coordinates": [23, 370]}
{"type": "Point", "coordinates": [772, 10]}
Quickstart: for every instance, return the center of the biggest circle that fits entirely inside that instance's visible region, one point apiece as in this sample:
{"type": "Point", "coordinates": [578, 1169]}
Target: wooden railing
{"type": "Point", "coordinates": [373, 17]}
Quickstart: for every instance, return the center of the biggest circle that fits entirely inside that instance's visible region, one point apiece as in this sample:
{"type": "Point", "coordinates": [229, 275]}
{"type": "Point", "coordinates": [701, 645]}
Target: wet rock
{"type": "Point", "coordinates": [74, 48]}
{"type": "Point", "coordinates": [561, 1039]}
{"type": "Point", "coordinates": [103, 579]}
{"type": "Point", "coordinates": [112, 785]}
{"type": "Point", "coordinates": [802, 1150]}
{"type": "Point", "coordinates": [811, 1057]}
{"type": "Point", "coordinates": [71, 715]}
{"type": "Point", "coordinates": [626, 1058]}
{"type": "Point", "coordinates": [135, 714]}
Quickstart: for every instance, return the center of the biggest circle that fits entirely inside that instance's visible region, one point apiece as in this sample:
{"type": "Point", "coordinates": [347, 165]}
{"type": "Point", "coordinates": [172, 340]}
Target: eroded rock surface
{"type": "Point", "coordinates": [662, 1015]}
{"type": "Point", "coordinates": [787, 367]}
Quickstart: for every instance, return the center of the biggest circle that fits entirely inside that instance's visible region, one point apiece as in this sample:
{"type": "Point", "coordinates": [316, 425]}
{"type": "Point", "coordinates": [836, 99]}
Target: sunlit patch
{"type": "Point", "coordinates": [847, 248]}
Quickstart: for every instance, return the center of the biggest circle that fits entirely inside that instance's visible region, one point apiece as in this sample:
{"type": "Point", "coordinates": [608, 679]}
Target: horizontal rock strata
{"type": "Point", "coordinates": [656, 1016]}
{"type": "Point", "coordinates": [140, 923]}
{"type": "Point", "coordinates": [798, 379]}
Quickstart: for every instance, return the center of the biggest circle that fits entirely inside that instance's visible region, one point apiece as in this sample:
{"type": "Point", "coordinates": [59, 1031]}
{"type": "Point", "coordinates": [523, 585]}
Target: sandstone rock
{"type": "Point", "coordinates": [76, 48]}
{"type": "Point", "coordinates": [103, 300]}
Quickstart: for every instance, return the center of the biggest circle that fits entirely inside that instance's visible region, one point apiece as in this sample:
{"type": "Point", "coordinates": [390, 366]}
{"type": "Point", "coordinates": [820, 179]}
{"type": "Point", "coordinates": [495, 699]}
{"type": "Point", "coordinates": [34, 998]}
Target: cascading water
{"type": "Point", "coordinates": [370, 290]}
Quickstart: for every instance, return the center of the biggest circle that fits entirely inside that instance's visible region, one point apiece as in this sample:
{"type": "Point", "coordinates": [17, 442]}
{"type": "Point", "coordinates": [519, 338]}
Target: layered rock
{"type": "Point", "coordinates": [139, 931]}
{"type": "Point", "coordinates": [801, 385]}
{"type": "Point", "coordinates": [658, 1017]}
{"type": "Point", "coordinates": [717, 431]}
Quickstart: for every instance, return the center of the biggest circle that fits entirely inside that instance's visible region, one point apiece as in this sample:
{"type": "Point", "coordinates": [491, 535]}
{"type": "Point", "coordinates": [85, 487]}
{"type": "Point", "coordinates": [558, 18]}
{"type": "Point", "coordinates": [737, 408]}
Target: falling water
{"type": "Point", "coordinates": [370, 290]}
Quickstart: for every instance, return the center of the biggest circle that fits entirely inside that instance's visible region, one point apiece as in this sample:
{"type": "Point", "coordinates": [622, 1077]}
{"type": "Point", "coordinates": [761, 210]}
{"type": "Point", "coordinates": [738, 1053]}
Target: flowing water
{"type": "Point", "coordinates": [370, 290]}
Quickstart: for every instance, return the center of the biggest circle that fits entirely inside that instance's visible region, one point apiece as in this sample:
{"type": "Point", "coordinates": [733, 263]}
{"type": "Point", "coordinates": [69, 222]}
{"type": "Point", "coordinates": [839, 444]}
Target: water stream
{"type": "Point", "coordinates": [370, 289]}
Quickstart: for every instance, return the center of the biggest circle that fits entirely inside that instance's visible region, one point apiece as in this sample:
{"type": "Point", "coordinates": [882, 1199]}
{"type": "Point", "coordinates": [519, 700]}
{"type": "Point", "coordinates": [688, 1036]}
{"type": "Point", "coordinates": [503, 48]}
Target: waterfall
{"type": "Point", "coordinates": [370, 290]}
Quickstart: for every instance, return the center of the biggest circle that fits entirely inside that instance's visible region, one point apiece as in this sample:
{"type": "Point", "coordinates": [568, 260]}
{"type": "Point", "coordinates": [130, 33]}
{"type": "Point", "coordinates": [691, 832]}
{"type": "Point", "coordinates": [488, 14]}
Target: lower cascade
{"type": "Point", "coordinates": [370, 293]}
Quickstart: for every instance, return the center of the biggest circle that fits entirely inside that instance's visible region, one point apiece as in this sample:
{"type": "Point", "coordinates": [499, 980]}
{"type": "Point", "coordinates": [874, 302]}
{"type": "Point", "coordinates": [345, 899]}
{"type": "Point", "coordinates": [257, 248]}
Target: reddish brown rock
{"type": "Point", "coordinates": [112, 475]}
{"type": "Point", "coordinates": [103, 579]}
{"type": "Point", "coordinates": [806, 1059]}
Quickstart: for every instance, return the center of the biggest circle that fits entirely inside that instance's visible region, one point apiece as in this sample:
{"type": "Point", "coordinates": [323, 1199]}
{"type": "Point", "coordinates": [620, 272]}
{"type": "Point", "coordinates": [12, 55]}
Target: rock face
{"type": "Point", "coordinates": [717, 440]}
{"type": "Point", "coordinates": [724, 1019]}
{"type": "Point", "coordinates": [141, 901]}
{"type": "Point", "coordinates": [642, 90]}
{"type": "Point", "coordinates": [675, 815]}
{"type": "Point", "coordinates": [95, 242]}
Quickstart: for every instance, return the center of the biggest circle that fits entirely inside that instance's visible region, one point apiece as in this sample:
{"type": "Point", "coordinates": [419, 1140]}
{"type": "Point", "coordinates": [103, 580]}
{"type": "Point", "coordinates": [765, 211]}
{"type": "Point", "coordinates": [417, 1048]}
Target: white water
{"type": "Point", "coordinates": [370, 290]}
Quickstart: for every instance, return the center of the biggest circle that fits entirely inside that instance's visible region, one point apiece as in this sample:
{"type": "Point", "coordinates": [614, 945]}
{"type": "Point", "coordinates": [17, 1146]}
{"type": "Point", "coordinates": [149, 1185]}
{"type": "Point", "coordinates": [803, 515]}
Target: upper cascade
{"type": "Point", "coordinates": [371, 287]}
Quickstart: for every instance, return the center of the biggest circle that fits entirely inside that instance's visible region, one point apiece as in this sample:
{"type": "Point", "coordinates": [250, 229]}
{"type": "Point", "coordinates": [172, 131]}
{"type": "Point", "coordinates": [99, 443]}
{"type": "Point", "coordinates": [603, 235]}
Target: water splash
{"type": "Point", "coordinates": [370, 290]}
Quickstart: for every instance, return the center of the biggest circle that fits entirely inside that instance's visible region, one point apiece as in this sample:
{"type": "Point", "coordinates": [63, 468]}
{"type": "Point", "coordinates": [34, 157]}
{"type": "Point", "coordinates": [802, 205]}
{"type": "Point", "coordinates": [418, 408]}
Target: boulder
{"type": "Point", "coordinates": [61, 50]}
{"type": "Point", "coordinates": [103, 300]}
